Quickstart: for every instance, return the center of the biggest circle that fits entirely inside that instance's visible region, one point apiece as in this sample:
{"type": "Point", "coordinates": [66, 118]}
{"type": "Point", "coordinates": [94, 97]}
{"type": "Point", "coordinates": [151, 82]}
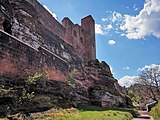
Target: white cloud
{"type": "Point", "coordinates": [98, 29]}
{"type": "Point", "coordinates": [135, 7]}
{"type": "Point", "coordinates": [127, 81]}
{"type": "Point", "coordinates": [145, 23]}
{"type": "Point", "coordinates": [127, 7]}
{"type": "Point", "coordinates": [126, 68]}
{"type": "Point", "coordinates": [109, 27]}
{"type": "Point", "coordinates": [111, 42]}
{"type": "Point", "coordinates": [148, 67]}
{"type": "Point", "coordinates": [116, 17]}
{"type": "Point", "coordinates": [52, 13]}
{"type": "Point", "coordinates": [104, 19]}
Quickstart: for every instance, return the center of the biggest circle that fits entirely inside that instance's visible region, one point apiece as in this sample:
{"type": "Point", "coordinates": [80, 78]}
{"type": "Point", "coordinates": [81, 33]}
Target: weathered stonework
{"type": "Point", "coordinates": [31, 24]}
{"type": "Point", "coordinates": [96, 85]}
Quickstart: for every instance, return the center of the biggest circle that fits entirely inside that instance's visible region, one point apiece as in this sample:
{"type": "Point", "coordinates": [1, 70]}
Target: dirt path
{"type": "Point", "coordinates": [144, 116]}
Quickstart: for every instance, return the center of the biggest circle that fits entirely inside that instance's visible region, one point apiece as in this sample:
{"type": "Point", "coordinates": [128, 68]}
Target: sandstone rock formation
{"type": "Point", "coordinates": [95, 84]}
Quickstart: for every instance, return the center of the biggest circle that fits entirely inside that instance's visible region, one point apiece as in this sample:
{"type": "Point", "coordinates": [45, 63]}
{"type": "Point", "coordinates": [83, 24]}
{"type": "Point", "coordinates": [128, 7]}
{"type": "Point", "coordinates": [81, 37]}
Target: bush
{"type": "Point", "coordinates": [133, 111]}
{"type": "Point", "coordinates": [155, 112]}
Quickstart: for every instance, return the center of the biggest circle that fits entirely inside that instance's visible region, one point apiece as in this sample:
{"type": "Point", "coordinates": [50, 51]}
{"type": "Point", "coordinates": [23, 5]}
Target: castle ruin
{"type": "Point", "coordinates": [32, 40]}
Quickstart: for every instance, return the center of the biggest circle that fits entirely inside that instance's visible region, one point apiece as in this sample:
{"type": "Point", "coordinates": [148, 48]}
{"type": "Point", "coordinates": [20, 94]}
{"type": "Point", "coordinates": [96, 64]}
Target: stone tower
{"type": "Point", "coordinates": [88, 25]}
{"type": "Point", "coordinates": [82, 38]}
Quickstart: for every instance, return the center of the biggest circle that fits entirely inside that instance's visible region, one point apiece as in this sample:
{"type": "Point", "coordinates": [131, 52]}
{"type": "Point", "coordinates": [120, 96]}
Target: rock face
{"type": "Point", "coordinates": [20, 95]}
{"type": "Point", "coordinates": [95, 84]}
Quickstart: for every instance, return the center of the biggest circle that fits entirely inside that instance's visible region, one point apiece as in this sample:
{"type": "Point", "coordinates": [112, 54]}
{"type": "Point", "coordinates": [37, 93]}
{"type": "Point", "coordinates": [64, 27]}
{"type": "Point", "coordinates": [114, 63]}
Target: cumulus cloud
{"type": "Point", "coordinates": [104, 19]}
{"type": "Point", "coordinates": [98, 29]}
{"type": "Point", "coordinates": [116, 17]}
{"type": "Point", "coordinates": [126, 68]}
{"type": "Point", "coordinates": [52, 13]}
{"type": "Point", "coordinates": [109, 27]}
{"type": "Point", "coordinates": [127, 81]}
{"type": "Point", "coordinates": [111, 42]}
{"type": "Point", "coordinates": [135, 7]}
{"type": "Point", "coordinates": [145, 23]}
{"type": "Point", "coordinates": [148, 67]}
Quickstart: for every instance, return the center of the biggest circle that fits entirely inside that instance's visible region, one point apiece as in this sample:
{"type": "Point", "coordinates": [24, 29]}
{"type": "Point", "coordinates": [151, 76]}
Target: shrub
{"type": "Point", "coordinates": [155, 112]}
{"type": "Point", "coordinates": [133, 111]}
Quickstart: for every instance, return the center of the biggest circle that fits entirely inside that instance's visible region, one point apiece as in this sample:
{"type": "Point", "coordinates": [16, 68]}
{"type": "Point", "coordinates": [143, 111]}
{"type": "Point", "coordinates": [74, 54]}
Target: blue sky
{"type": "Point", "coordinates": [127, 31]}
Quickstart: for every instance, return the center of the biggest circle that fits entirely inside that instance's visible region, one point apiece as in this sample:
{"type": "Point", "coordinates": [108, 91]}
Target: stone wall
{"type": "Point", "coordinates": [88, 24]}
{"type": "Point", "coordinates": [75, 36]}
{"type": "Point", "coordinates": [27, 28]}
{"type": "Point", "coordinates": [31, 16]}
{"type": "Point", "coordinates": [20, 59]}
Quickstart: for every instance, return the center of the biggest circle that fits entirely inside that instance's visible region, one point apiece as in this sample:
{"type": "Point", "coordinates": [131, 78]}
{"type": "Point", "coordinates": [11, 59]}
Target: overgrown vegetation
{"type": "Point", "coordinates": [155, 112]}
{"type": "Point", "coordinates": [70, 78]}
{"type": "Point", "coordinates": [33, 94]}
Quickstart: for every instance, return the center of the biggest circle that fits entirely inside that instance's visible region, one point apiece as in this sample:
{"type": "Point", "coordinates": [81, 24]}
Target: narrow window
{"type": "Point", "coordinates": [7, 26]}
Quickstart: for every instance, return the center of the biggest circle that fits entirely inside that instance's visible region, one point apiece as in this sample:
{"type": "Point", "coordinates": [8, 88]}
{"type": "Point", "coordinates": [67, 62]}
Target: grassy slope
{"type": "Point", "coordinates": [74, 114]}
{"type": "Point", "coordinates": [99, 115]}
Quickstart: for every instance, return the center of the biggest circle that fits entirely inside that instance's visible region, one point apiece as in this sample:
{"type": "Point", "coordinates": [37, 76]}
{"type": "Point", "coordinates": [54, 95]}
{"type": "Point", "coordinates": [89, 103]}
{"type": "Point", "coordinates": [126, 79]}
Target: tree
{"type": "Point", "coordinates": [150, 77]}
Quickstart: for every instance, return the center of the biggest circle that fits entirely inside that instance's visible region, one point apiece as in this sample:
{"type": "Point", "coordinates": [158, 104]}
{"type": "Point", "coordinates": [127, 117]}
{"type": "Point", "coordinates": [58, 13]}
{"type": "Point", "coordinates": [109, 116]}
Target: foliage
{"type": "Point", "coordinates": [17, 94]}
{"type": "Point", "coordinates": [136, 97]}
{"type": "Point", "coordinates": [133, 111]}
{"type": "Point", "coordinates": [33, 79]}
{"type": "Point", "coordinates": [70, 79]}
{"type": "Point", "coordinates": [27, 93]}
{"type": "Point", "coordinates": [85, 107]}
{"type": "Point", "coordinates": [26, 96]}
{"type": "Point", "coordinates": [155, 112]}
{"type": "Point", "coordinates": [74, 114]}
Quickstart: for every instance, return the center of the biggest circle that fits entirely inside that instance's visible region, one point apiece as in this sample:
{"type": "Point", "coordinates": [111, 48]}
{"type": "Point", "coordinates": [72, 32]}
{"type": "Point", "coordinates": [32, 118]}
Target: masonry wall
{"type": "Point", "coordinates": [49, 21]}
{"type": "Point", "coordinates": [88, 25]}
{"type": "Point", "coordinates": [19, 59]}
{"type": "Point", "coordinates": [74, 34]}
{"type": "Point", "coordinates": [75, 37]}
{"type": "Point", "coordinates": [49, 42]}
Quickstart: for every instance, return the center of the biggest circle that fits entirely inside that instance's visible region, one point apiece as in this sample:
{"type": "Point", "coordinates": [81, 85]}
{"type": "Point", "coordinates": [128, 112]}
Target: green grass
{"type": "Point", "coordinates": [133, 111]}
{"type": "Point", "coordinates": [74, 114]}
{"type": "Point", "coordinates": [99, 115]}
{"type": "Point", "coordinates": [155, 112]}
